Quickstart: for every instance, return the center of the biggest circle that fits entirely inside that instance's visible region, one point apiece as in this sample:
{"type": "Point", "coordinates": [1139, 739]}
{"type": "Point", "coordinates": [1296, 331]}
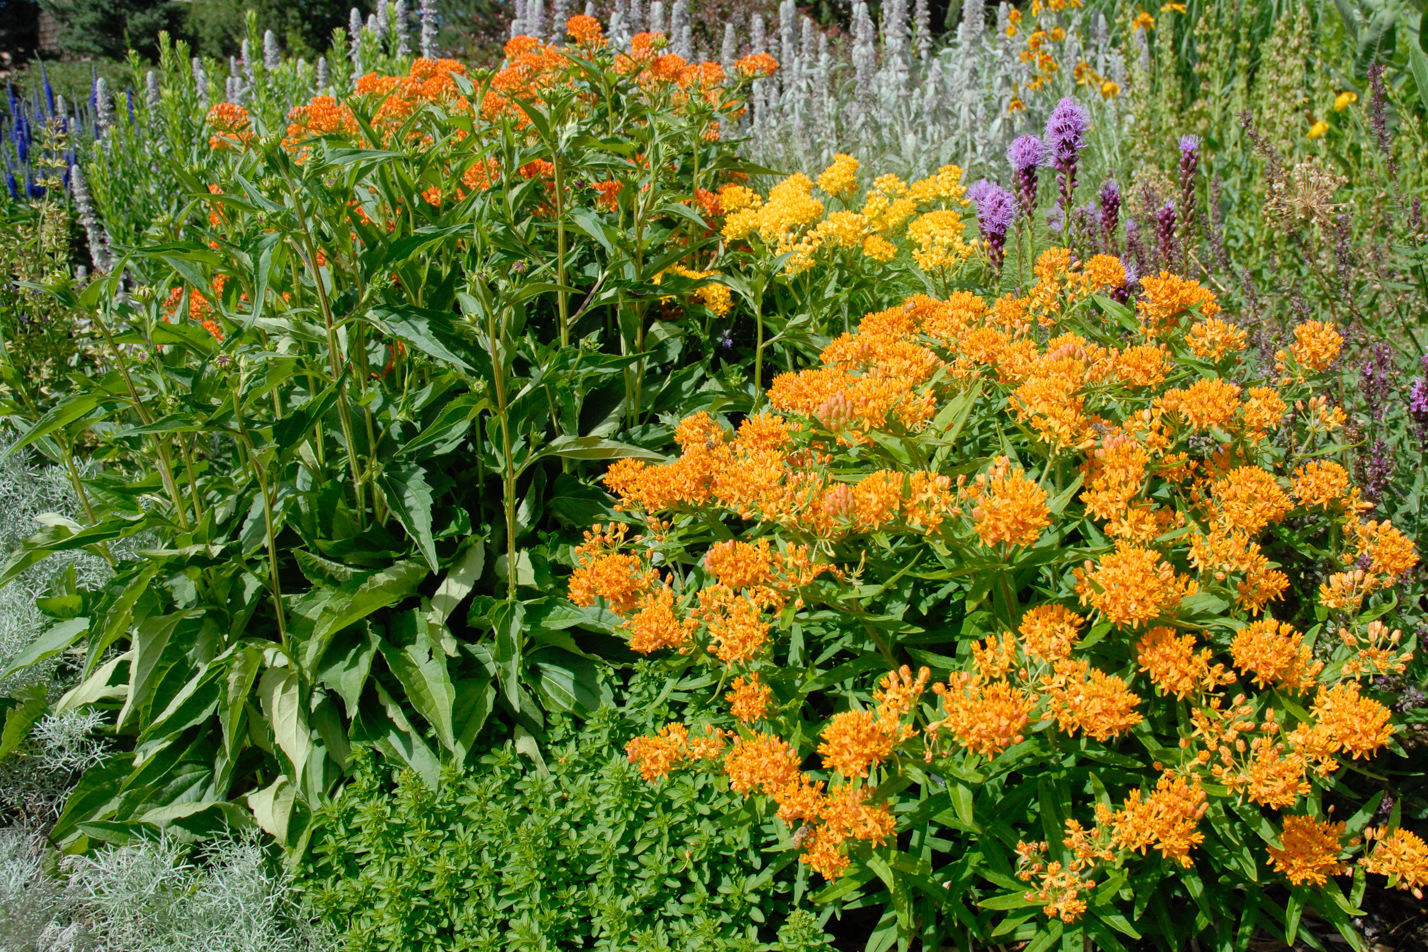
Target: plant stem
{"type": "Point", "coordinates": [269, 529]}
{"type": "Point", "coordinates": [508, 468]}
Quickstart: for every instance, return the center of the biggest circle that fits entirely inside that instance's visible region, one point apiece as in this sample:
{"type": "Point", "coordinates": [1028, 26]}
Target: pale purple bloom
{"type": "Point", "coordinates": [1025, 154]}
{"type": "Point", "coordinates": [996, 210]}
{"type": "Point", "coordinates": [1375, 380]}
{"type": "Point", "coordinates": [1110, 215]}
{"type": "Point", "coordinates": [1066, 131]}
{"type": "Point", "coordinates": [1165, 234]}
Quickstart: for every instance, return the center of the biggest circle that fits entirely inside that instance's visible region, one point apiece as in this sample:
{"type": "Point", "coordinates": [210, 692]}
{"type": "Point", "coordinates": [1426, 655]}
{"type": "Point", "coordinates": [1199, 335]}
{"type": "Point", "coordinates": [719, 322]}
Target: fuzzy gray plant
{"type": "Point", "coordinates": [559, 15]}
{"type": "Point", "coordinates": [153, 98]}
{"type": "Point", "coordinates": [250, 73]}
{"type": "Point", "coordinates": [200, 82]}
{"type": "Point", "coordinates": [89, 218]}
{"type": "Point", "coordinates": [400, 23]}
{"type": "Point", "coordinates": [272, 56]}
{"type": "Point", "coordinates": [159, 896]}
{"type": "Point", "coordinates": [383, 21]}
{"type": "Point", "coordinates": [35, 910]}
{"type": "Point", "coordinates": [324, 75]}
{"type": "Point", "coordinates": [897, 103]}
{"type": "Point", "coordinates": [428, 28]}
{"type": "Point", "coordinates": [103, 105]}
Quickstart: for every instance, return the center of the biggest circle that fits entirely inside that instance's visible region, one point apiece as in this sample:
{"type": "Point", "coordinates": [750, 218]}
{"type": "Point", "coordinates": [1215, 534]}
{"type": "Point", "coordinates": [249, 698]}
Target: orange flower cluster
{"type": "Point", "coordinates": [1159, 453]}
{"type": "Point", "coordinates": [656, 756]}
{"type": "Point", "coordinates": [1401, 856]}
{"type": "Point", "coordinates": [232, 129]}
{"type": "Point", "coordinates": [323, 116]}
{"type": "Point", "coordinates": [1308, 853]}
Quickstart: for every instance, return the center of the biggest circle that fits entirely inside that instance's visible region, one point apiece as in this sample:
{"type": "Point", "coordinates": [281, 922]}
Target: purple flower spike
{"type": "Point", "coordinates": [1026, 153]}
{"type": "Point", "coordinates": [996, 210]}
{"type": "Point", "coordinates": [1066, 130]}
{"type": "Point", "coordinates": [1376, 379]}
{"type": "Point", "coordinates": [1189, 164]}
{"type": "Point", "coordinates": [1165, 235]}
{"type": "Point", "coordinates": [1110, 216]}
{"type": "Point", "coordinates": [1418, 407]}
{"type": "Point", "coordinates": [1065, 138]}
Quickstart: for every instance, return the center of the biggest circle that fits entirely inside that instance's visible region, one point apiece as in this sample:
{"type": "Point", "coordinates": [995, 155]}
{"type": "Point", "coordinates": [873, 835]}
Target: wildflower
{"type": "Point", "coordinates": [1318, 129]}
{"type": "Point", "coordinates": [985, 718]}
{"type": "Point", "coordinates": [1344, 100]}
{"type": "Point", "coordinates": [1316, 344]}
{"type": "Point", "coordinates": [1048, 632]}
{"type": "Point", "coordinates": [1025, 154]}
{"type": "Point", "coordinates": [940, 244]}
{"type": "Point", "coordinates": [996, 210]}
{"type": "Point", "coordinates": [853, 741]}
{"type": "Point", "coordinates": [1130, 586]}
{"type": "Point", "coordinates": [1110, 90]}
{"type": "Point", "coordinates": [840, 178]}
{"type": "Point", "coordinates": [1166, 819]}
{"type": "Point", "coordinates": [619, 578]}
{"type": "Point", "coordinates": [1401, 856]}
{"type": "Point", "coordinates": [1174, 665]}
{"type": "Point", "coordinates": [231, 127]}
{"type": "Point", "coordinates": [653, 624]}
{"type": "Point", "coordinates": [1343, 720]}
{"type": "Point", "coordinates": [760, 764]}
{"type": "Point", "coordinates": [1320, 483]}
{"type": "Point", "coordinates": [749, 700]}
{"type": "Point", "coordinates": [1065, 138]}
{"type": "Point", "coordinates": [1214, 339]}
{"type": "Point", "coordinates": [585, 30]}
{"type": "Point", "coordinates": [1275, 654]}
{"type": "Point", "coordinates": [1085, 699]}
{"type": "Point", "coordinates": [1010, 507]}
{"type": "Point", "coordinates": [879, 248]}
{"type": "Point", "coordinates": [1308, 851]}
{"type": "Point", "coordinates": [756, 66]}
{"type": "Point", "coordinates": [1249, 498]}
{"type": "Point", "coordinates": [1167, 297]}
{"type": "Point", "coordinates": [1389, 551]}
{"type": "Point", "coordinates": [656, 756]}
{"type": "Point", "coordinates": [1207, 403]}
{"type": "Point", "coordinates": [1142, 21]}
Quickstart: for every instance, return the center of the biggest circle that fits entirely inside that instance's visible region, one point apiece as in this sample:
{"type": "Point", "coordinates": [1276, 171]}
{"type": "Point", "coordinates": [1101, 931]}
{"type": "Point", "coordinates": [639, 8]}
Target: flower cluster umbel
{"type": "Point", "coordinates": [1178, 474]}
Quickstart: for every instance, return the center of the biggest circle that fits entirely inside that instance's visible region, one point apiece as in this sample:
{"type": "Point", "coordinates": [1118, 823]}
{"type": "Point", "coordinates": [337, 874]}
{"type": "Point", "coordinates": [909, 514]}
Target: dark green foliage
{"type": "Point", "coordinates": [304, 27]}
{"type": "Point", "coordinates": [113, 27]}
{"type": "Point", "coordinates": [19, 26]}
{"type": "Point", "coordinates": [587, 856]}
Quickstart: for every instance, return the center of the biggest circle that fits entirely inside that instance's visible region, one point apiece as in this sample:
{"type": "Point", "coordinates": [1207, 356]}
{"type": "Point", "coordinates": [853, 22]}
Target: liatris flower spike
{"type": "Point", "coordinates": [1165, 235]}
{"type": "Point", "coordinates": [1065, 138]}
{"type": "Point", "coordinates": [1025, 154]}
{"type": "Point", "coordinates": [996, 210]}
{"type": "Point", "coordinates": [1189, 164]}
{"type": "Point", "coordinates": [1110, 216]}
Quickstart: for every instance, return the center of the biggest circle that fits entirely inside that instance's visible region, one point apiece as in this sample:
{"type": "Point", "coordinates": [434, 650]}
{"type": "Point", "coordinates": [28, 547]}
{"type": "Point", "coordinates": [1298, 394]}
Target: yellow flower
{"type": "Point", "coordinates": [841, 177]}
{"type": "Point", "coordinates": [879, 248]}
{"type": "Point", "coordinates": [1345, 100]}
{"type": "Point", "coordinates": [1401, 856]}
{"type": "Point", "coordinates": [1110, 90]}
{"type": "Point", "coordinates": [1318, 129]}
{"type": "Point", "coordinates": [1142, 21]}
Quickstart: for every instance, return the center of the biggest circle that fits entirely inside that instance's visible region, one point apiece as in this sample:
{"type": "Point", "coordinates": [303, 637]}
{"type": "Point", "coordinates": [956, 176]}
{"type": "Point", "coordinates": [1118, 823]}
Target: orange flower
{"type": "Point", "coordinates": [1276, 655]}
{"type": "Point", "coordinates": [1009, 507]}
{"type": "Point", "coordinates": [1309, 851]}
{"type": "Point", "coordinates": [749, 701]}
{"type": "Point", "coordinates": [1401, 856]}
{"type": "Point", "coordinates": [1048, 632]}
{"type": "Point", "coordinates": [1165, 299]}
{"type": "Point", "coordinates": [1389, 551]}
{"type": "Point", "coordinates": [585, 30]}
{"type": "Point", "coordinates": [1084, 699]}
{"type": "Point", "coordinates": [760, 764]}
{"type": "Point", "coordinates": [1167, 819]}
{"type": "Point", "coordinates": [1320, 483]}
{"type": "Point", "coordinates": [654, 626]}
{"type": "Point", "coordinates": [656, 756]}
{"type": "Point", "coordinates": [1208, 402]}
{"type": "Point", "coordinates": [619, 578]}
{"type": "Point", "coordinates": [231, 127]}
{"type": "Point", "coordinates": [853, 741]}
{"type": "Point", "coordinates": [1316, 344]}
{"type": "Point", "coordinates": [1174, 665]}
{"type": "Point", "coordinates": [1130, 586]}
{"type": "Point", "coordinates": [985, 718]}
{"type": "Point", "coordinates": [1249, 499]}
{"type": "Point", "coordinates": [756, 66]}
{"type": "Point", "coordinates": [1214, 339]}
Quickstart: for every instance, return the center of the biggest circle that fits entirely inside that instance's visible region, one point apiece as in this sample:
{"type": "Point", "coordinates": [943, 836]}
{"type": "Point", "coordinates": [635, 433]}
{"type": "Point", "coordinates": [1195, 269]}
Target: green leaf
{"type": "Point", "coordinates": [59, 416]}
{"type": "Point", "coordinates": [1418, 63]}
{"type": "Point", "coordinates": [566, 682]}
{"type": "Point", "coordinates": [19, 719]}
{"type": "Point", "coordinates": [420, 666]}
{"type": "Point", "coordinates": [508, 619]}
{"type": "Point", "coordinates": [51, 642]}
{"type": "Point", "coordinates": [422, 329]}
{"type": "Point", "coordinates": [151, 641]}
{"type": "Point", "coordinates": [593, 447]}
{"type": "Point", "coordinates": [409, 496]}
{"type": "Point", "coordinates": [272, 807]}
{"type": "Point", "coordinates": [458, 583]}
{"type": "Point", "coordinates": [335, 610]}
{"type": "Point", "coordinates": [281, 693]}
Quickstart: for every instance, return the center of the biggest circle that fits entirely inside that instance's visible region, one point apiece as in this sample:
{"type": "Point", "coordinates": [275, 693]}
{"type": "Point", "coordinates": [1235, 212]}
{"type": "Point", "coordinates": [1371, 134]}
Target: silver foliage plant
{"type": "Point", "coordinates": [159, 896]}
{"type": "Point", "coordinates": [897, 103]}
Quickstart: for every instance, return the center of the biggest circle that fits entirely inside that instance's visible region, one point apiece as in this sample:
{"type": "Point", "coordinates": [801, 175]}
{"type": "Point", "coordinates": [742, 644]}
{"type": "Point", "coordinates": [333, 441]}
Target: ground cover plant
{"type": "Point", "coordinates": [1002, 519]}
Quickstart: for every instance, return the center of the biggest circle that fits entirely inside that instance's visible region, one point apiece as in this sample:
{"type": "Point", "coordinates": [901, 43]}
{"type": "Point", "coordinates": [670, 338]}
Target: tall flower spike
{"type": "Point", "coordinates": [1065, 138]}
{"type": "Point", "coordinates": [103, 107]}
{"type": "Point", "coordinates": [559, 14]}
{"type": "Point", "coordinates": [428, 26]}
{"type": "Point", "coordinates": [383, 21]}
{"type": "Point", "coordinates": [678, 24]}
{"type": "Point", "coordinates": [1026, 153]}
{"type": "Point", "coordinates": [271, 56]}
{"type": "Point", "coordinates": [1165, 235]}
{"type": "Point", "coordinates": [1110, 217]}
{"type": "Point", "coordinates": [324, 76]}
{"type": "Point", "coordinates": [93, 229]}
{"type": "Point", "coordinates": [354, 37]}
{"type": "Point", "coordinates": [1189, 164]}
{"type": "Point", "coordinates": [402, 27]}
{"type": "Point", "coordinates": [996, 211]}
{"type": "Point", "coordinates": [200, 82]}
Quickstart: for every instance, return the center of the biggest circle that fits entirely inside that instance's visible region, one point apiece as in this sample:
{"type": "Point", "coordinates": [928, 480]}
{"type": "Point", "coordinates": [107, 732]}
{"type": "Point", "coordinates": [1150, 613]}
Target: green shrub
{"type": "Point", "coordinates": [585, 855]}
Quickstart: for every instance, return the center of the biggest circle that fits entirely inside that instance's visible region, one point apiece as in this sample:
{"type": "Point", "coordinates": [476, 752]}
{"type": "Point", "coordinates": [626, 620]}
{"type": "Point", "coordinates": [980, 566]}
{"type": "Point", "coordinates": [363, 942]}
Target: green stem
{"type": "Point", "coordinates": [270, 530]}
{"type": "Point", "coordinates": [508, 467]}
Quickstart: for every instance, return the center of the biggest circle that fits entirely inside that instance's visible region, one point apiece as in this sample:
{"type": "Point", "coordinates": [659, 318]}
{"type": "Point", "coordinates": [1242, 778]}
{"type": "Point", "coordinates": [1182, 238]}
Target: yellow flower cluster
{"type": "Point", "coordinates": [792, 221]}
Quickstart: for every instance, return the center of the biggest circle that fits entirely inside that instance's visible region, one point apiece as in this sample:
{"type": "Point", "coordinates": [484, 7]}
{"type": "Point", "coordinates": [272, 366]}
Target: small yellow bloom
{"type": "Point", "coordinates": [1016, 105]}
{"type": "Point", "coordinates": [1110, 90]}
{"type": "Point", "coordinates": [1345, 100]}
{"type": "Point", "coordinates": [1318, 129]}
{"type": "Point", "coordinates": [1173, 8]}
{"type": "Point", "coordinates": [1143, 20]}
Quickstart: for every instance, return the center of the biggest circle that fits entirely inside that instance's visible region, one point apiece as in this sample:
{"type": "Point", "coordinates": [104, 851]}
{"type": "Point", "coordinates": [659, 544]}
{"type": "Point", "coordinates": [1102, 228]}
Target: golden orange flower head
{"type": "Point", "coordinates": [749, 700]}
{"type": "Point", "coordinates": [1309, 851]}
